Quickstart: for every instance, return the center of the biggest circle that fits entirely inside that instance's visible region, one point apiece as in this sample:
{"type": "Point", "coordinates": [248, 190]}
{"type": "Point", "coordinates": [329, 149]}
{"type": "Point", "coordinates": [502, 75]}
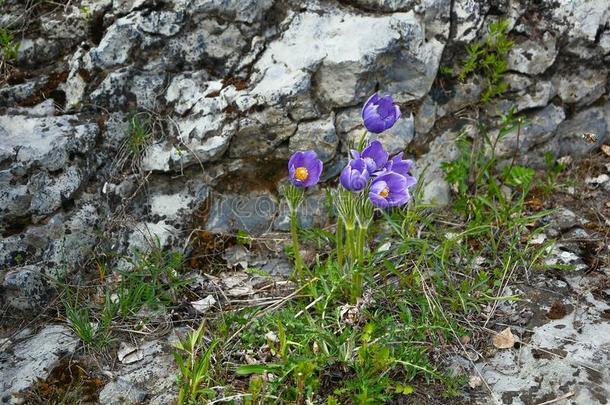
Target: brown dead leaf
{"type": "Point", "coordinates": [557, 311]}
{"type": "Point", "coordinates": [465, 339]}
{"type": "Point", "coordinates": [504, 339]}
{"type": "Point", "coordinates": [606, 149]}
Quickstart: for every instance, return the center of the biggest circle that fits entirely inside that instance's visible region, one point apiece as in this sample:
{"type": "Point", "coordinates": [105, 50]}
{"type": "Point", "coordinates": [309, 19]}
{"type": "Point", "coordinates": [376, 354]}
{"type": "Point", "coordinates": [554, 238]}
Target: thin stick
{"type": "Point", "coordinates": [566, 396]}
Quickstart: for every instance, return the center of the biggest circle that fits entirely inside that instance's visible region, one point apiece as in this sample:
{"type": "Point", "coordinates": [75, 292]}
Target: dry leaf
{"type": "Point", "coordinates": [606, 149]}
{"type": "Point", "coordinates": [128, 353]}
{"type": "Point", "coordinates": [475, 381]}
{"type": "Point", "coordinates": [602, 178]}
{"type": "Point", "coordinates": [557, 311]}
{"type": "Point", "coordinates": [504, 339]}
{"type": "Point", "coordinates": [465, 339]}
{"type": "Point", "coordinates": [203, 305]}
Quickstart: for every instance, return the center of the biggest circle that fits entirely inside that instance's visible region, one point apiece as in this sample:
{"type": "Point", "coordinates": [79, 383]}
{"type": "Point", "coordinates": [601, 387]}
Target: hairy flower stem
{"type": "Point", "coordinates": [360, 238]}
{"type": "Point", "coordinates": [356, 287]}
{"type": "Point", "coordinates": [349, 243]}
{"type": "Point", "coordinates": [358, 265]}
{"type": "Point", "coordinates": [298, 263]}
{"type": "Point", "coordinates": [339, 241]}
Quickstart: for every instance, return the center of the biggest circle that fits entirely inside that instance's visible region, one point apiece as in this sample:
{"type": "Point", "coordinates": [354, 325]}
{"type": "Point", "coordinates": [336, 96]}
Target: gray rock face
{"type": "Point", "coordinates": [470, 16]}
{"type": "Point", "coordinates": [311, 213]}
{"type": "Point", "coordinates": [319, 136]}
{"type": "Point", "coordinates": [436, 190]}
{"type": "Point", "coordinates": [590, 121]}
{"type": "Point", "coordinates": [354, 46]}
{"type": "Point", "coordinates": [253, 213]}
{"type": "Point", "coordinates": [25, 288]}
{"type": "Point", "coordinates": [580, 19]}
{"type": "Point", "coordinates": [26, 361]}
{"type": "Point", "coordinates": [582, 86]}
{"type": "Point", "coordinates": [533, 57]}
{"type": "Point", "coordinates": [260, 133]}
{"type": "Point", "coordinates": [152, 378]}
{"type": "Point", "coordinates": [46, 160]}
{"type": "Point", "coordinates": [538, 129]}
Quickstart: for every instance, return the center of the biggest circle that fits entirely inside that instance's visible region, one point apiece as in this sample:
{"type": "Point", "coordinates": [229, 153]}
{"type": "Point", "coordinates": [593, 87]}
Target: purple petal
{"type": "Point", "coordinates": [386, 106]}
{"type": "Point", "coordinates": [315, 170]}
{"type": "Point", "coordinates": [358, 181]}
{"type": "Point", "coordinates": [345, 177]}
{"type": "Point", "coordinates": [295, 160]}
{"type": "Point", "coordinates": [370, 102]}
{"type": "Point", "coordinates": [377, 200]}
{"type": "Point", "coordinates": [374, 124]}
{"type": "Point", "coordinates": [309, 157]}
{"type": "Point", "coordinates": [358, 164]}
{"type": "Point", "coordinates": [411, 181]}
{"type": "Point", "coordinates": [395, 182]}
{"type": "Point", "coordinates": [398, 198]}
{"type": "Point", "coordinates": [378, 185]}
{"type": "Point", "coordinates": [376, 151]}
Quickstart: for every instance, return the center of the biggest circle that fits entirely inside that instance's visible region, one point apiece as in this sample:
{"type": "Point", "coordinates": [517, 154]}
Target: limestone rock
{"type": "Point", "coordinates": [436, 189]}
{"type": "Point", "coordinates": [34, 358]}
{"type": "Point", "coordinates": [469, 18]}
{"type": "Point", "coordinates": [253, 212]}
{"type": "Point", "coordinates": [354, 46]}
{"type": "Point", "coordinates": [46, 157]}
{"type": "Point", "coordinates": [581, 19]}
{"type": "Point", "coordinates": [539, 128]}
{"type": "Point", "coordinates": [582, 86]}
{"type": "Point", "coordinates": [261, 132]}
{"type": "Point", "coordinates": [25, 288]}
{"type": "Point", "coordinates": [318, 136]}
{"type": "Point", "coordinates": [533, 57]}
{"type": "Point", "coordinates": [571, 132]}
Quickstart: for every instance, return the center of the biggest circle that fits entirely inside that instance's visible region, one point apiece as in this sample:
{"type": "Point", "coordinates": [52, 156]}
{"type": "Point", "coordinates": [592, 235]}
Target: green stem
{"type": "Point", "coordinates": [356, 287]}
{"type": "Point", "coordinates": [339, 237]}
{"type": "Point", "coordinates": [298, 263]}
{"type": "Point", "coordinates": [349, 243]}
{"type": "Point", "coordinates": [361, 235]}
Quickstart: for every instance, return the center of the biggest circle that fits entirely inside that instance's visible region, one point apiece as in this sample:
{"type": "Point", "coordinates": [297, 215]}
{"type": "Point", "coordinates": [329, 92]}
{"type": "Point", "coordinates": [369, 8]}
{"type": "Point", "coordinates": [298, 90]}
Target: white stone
{"type": "Point", "coordinates": [34, 359]}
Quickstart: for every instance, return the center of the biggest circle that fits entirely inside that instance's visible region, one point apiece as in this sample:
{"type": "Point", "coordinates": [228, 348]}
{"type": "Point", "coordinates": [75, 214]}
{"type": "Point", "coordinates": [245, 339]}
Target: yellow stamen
{"type": "Point", "coordinates": [301, 173]}
{"type": "Point", "coordinates": [385, 192]}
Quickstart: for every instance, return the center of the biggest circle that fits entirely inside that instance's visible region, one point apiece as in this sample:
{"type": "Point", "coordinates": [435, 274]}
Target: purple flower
{"type": "Point", "coordinates": [390, 190]}
{"type": "Point", "coordinates": [397, 165]}
{"type": "Point", "coordinates": [374, 156]}
{"type": "Point", "coordinates": [355, 175]}
{"type": "Point", "coordinates": [304, 168]}
{"type": "Point", "coordinates": [380, 114]}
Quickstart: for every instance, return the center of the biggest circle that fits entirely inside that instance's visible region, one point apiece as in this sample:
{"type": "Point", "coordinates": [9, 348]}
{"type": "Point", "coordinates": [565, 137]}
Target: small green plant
{"type": "Point", "coordinates": [479, 186]}
{"type": "Point", "coordinates": [194, 363]}
{"type": "Point", "coordinates": [93, 332]}
{"type": "Point", "coordinates": [553, 170]}
{"type": "Point", "coordinates": [86, 11]}
{"type": "Point", "coordinates": [489, 59]}
{"type": "Point", "coordinates": [139, 134]}
{"type": "Point", "coordinates": [8, 45]}
{"type": "Point", "coordinates": [152, 281]}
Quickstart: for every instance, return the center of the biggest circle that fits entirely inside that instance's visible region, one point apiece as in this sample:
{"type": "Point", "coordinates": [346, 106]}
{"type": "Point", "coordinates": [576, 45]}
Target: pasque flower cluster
{"type": "Point", "coordinates": [370, 179]}
{"type": "Point", "coordinates": [387, 180]}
